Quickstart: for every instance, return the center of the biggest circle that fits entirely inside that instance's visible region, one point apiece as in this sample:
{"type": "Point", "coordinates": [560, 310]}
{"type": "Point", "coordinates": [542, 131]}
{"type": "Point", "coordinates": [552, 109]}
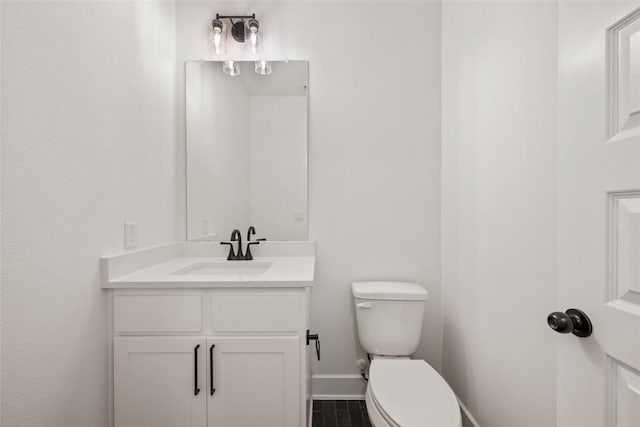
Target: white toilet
{"type": "Point", "coordinates": [401, 392]}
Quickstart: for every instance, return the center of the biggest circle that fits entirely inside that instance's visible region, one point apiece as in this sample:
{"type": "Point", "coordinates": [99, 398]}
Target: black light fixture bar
{"type": "Point", "coordinates": [252, 16]}
{"type": "Point", "coordinates": [243, 28]}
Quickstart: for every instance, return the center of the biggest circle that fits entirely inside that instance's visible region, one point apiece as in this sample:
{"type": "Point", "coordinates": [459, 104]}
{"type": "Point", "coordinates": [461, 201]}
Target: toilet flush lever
{"type": "Point", "coordinates": [364, 304]}
{"type": "Point", "coordinates": [315, 338]}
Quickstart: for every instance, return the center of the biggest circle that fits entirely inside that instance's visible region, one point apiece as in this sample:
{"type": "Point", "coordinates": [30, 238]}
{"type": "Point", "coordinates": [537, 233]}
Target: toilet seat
{"type": "Point", "coordinates": [410, 393]}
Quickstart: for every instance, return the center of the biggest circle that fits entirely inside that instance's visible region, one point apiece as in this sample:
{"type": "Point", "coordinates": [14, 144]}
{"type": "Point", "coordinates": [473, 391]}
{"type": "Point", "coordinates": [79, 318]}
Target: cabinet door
{"type": "Point", "coordinates": [156, 382]}
{"type": "Point", "coordinates": [256, 382]}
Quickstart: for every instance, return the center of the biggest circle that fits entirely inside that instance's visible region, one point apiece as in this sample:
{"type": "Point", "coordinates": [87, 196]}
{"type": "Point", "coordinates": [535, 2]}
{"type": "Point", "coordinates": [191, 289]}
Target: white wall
{"type": "Point", "coordinates": [88, 141]}
{"type": "Point", "coordinates": [374, 150]}
{"type": "Point", "coordinates": [218, 159]}
{"type": "Point", "coordinates": [499, 114]}
{"type": "Point", "coordinates": [278, 135]}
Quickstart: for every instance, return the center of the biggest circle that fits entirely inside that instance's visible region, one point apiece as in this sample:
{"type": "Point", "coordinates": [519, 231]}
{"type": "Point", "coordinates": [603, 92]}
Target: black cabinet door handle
{"type": "Point", "coordinates": [196, 389]}
{"type": "Point", "coordinates": [213, 390]}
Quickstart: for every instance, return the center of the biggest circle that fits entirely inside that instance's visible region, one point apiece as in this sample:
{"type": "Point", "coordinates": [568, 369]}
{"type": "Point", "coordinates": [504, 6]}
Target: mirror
{"type": "Point", "coordinates": [246, 139]}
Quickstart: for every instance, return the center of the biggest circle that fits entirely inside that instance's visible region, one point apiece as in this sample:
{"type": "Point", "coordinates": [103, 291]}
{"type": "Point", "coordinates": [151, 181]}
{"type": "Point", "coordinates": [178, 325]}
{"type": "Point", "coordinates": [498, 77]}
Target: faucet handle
{"type": "Point", "coordinates": [232, 253]}
{"type": "Point", "coordinates": [248, 256]}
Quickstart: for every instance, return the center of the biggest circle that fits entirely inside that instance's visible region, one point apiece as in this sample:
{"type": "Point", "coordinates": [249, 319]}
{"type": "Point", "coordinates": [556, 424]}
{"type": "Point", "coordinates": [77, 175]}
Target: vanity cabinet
{"type": "Point", "coordinates": [210, 357]}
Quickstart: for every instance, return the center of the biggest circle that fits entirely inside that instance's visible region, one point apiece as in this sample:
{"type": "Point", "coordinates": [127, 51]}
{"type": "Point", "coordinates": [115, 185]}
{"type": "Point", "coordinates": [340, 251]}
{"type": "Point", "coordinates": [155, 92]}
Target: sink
{"type": "Point", "coordinates": [225, 268]}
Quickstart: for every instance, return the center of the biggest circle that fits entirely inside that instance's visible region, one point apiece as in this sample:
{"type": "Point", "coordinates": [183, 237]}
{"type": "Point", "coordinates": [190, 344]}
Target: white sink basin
{"type": "Point", "coordinates": [225, 268]}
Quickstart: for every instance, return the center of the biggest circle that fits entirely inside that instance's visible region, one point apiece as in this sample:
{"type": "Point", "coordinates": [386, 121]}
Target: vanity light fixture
{"type": "Point", "coordinates": [244, 29]}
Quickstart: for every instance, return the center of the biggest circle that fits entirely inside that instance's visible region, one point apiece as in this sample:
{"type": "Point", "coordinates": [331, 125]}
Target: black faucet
{"type": "Point", "coordinates": [233, 256]}
{"type": "Point", "coordinates": [237, 237]}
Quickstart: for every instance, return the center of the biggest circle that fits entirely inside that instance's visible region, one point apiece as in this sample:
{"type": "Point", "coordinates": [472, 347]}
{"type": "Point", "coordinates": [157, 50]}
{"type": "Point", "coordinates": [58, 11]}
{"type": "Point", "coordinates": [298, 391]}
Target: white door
{"type": "Point", "coordinates": [599, 212]}
{"type": "Point", "coordinates": [254, 382]}
{"type": "Point", "coordinates": [159, 382]}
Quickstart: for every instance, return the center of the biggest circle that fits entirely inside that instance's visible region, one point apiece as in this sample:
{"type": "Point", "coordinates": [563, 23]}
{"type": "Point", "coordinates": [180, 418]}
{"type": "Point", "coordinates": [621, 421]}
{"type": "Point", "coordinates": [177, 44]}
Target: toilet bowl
{"type": "Point", "coordinates": [401, 392]}
{"type": "Point", "coordinates": [409, 393]}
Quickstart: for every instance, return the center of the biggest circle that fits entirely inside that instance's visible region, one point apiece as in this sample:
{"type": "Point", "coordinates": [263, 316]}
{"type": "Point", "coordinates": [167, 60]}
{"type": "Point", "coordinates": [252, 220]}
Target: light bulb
{"type": "Point", "coordinates": [231, 68]}
{"type": "Point", "coordinates": [218, 37]}
{"type": "Point", "coordinates": [254, 39]}
{"type": "Point", "coordinates": [263, 67]}
{"type": "Point", "coordinates": [217, 42]}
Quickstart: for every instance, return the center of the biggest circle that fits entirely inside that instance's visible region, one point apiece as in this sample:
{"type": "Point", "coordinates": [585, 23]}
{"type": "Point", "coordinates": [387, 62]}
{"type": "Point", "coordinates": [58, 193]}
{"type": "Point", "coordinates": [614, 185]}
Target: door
{"type": "Point", "coordinates": [254, 382]}
{"type": "Point", "coordinates": [599, 212]}
{"type": "Point", "coordinates": [159, 382]}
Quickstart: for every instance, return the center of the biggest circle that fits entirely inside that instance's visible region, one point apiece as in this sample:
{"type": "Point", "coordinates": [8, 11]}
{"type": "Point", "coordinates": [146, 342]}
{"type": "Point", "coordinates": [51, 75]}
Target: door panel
{"type": "Point", "coordinates": [256, 382]}
{"type": "Point", "coordinates": [155, 380]}
{"type": "Point", "coordinates": [598, 211]}
{"type": "Point", "coordinates": [625, 391]}
{"type": "Point", "coordinates": [623, 45]}
{"type": "Point", "coordinates": [148, 313]}
{"type": "Point", "coordinates": [624, 232]}
{"type": "Point", "coordinates": [236, 312]}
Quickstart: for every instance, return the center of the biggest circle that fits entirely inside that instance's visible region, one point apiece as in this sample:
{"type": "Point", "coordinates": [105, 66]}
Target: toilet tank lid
{"type": "Point", "coordinates": [387, 290]}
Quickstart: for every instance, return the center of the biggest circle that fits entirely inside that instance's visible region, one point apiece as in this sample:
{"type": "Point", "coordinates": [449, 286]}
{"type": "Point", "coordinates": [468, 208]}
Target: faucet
{"type": "Point", "coordinates": [233, 256]}
{"type": "Point", "coordinates": [237, 237]}
{"type": "Point", "coordinates": [248, 256]}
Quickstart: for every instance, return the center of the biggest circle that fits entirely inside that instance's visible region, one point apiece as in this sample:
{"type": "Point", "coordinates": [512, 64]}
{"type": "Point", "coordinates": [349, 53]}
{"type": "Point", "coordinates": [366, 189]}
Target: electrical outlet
{"type": "Point", "coordinates": [130, 235]}
{"type": "Point", "coordinates": [205, 226]}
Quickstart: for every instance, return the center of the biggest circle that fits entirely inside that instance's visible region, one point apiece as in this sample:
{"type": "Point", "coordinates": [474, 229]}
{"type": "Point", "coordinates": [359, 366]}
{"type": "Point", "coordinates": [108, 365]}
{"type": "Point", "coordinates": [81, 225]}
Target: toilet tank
{"type": "Point", "coordinates": [389, 316]}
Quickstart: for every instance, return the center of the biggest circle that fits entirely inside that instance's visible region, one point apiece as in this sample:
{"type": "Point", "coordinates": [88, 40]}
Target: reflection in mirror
{"type": "Point", "coordinates": [246, 150]}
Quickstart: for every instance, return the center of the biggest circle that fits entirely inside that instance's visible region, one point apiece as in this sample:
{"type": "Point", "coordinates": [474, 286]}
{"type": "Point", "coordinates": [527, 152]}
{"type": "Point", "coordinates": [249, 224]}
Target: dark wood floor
{"type": "Point", "coordinates": [340, 413]}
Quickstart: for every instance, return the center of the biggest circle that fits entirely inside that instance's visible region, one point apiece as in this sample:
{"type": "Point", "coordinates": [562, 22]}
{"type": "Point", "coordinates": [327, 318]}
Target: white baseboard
{"type": "Point", "coordinates": [338, 397]}
{"type": "Point", "coordinates": [353, 387]}
{"type": "Point", "coordinates": [338, 387]}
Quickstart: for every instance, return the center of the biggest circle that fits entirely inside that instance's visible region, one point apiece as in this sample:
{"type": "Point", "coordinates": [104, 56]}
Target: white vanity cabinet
{"type": "Point", "coordinates": [219, 357]}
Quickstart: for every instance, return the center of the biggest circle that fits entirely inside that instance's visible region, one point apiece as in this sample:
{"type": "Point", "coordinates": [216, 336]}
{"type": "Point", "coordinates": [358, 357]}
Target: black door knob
{"type": "Point", "coordinates": [573, 320]}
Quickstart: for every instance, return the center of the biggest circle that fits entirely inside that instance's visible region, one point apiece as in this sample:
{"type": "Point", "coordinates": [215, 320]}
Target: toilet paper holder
{"type": "Point", "coordinates": [315, 338]}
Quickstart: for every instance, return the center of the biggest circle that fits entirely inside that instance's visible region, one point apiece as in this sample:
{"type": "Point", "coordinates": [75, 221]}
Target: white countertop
{"type": "Point", "coordinates": [283, 272]}
{"type": "Point", "coordinates": [161, 267]}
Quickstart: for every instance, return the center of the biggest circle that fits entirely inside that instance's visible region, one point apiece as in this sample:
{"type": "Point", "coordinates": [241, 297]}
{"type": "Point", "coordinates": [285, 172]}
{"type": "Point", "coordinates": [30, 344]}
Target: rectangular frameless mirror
{"type": "Point", "coordinates": [246, 150]}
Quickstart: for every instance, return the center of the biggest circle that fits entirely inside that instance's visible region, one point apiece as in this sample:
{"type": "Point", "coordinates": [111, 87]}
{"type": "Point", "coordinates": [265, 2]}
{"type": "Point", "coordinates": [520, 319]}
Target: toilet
{"type": "Point", "coordinates": [401, 392]}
